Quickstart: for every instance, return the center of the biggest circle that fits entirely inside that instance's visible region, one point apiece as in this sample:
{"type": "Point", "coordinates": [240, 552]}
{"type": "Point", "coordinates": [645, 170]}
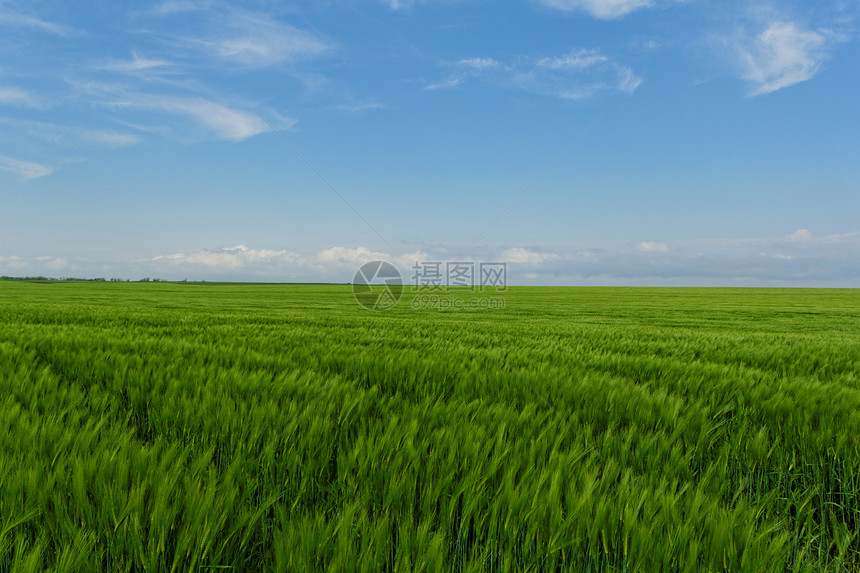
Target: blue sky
{"type": "Point", "coordinates": [641, 142]}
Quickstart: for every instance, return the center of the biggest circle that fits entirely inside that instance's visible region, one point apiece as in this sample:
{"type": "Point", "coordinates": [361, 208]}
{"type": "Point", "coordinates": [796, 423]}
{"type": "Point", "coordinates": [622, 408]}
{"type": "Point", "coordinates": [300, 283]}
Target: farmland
{"type": "Point", "coordinates": [188, 427]}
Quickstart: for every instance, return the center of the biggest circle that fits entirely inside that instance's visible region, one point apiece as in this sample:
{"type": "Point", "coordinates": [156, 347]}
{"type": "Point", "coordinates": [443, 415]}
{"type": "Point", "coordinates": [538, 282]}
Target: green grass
{"type": "Point", "coordinates": [189, 427]}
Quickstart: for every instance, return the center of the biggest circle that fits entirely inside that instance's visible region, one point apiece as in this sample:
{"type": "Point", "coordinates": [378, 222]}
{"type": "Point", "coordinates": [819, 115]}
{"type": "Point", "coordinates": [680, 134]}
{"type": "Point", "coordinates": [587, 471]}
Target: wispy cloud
{"type": "Point", "coordinates": [248, 38]}
{"type": "Point", "coordinates": [399, 5]}
{"type": "Point", "coordinates": [450, 82]}
{"type": "Point", "coordinates": [206, 119]}
{"type": "Point", "coordinates": [576, 60]}
{"type": "Point", "coordinates": [135, 64]}
{"type": "Point", "coordinates": [358, 107]}
{"type": "Point", "coordinates": [12, 18]}
{"type": "Point", "coordinates": [41, 133]}
{"type": "Point", "coordinates": [226, 123]}
{"type": "Point", "coordinates": [160, 81]}
{"type": "Point", "coordinates": [578, 74]}
{"type": "Point", "coordinates": [220, 121]}
{"type": "Point", "coordinates": [628, 81]}
{"type": "Point", "coordinates": [24, 169]}
{"type": "Point", "coordinates": [600, 9]}
{"type": "Point", "coordinates": [110, 138]}
{"type": "Point", "coordinates": [262, 42]}
{"type": "Point", "coordinates": [782, 55]}
{"type": "Point", "coordinates": [17, 96]}
{"type": "Point", "coordinates": [479, 63]}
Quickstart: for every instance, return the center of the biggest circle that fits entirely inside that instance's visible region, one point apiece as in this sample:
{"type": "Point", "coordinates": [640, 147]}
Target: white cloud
{"type": "Point", "coordinates": [251, 39]}
{"type": "Point", "coordinates": [479, 63]}
{"type": "Point", "coordinates": [13, 262]}
{"type": "Point", "coordinates": [269, 44]}
{"type": "Point", "coordinates": [601, 9]}
{"type": "Point", "coordinates": [579, 59]}
{"type": "Point", "coordinates": [450, 82]}
{"type": "Point", "coordinates": [628, 82]}
{"type": "Point", "coordinates": [409, 260]}
{"type": "Point", "coordinates": [24, 169]}
{"type": "Point", "coordinates": [576, 75]}
{"type": "Point", "coordinates": [18, 20]}
{"type": "Point", "coordinates": [358, 255]}
{"type": "Point", "coordinates": [220, 120]}
{"type": "Point", "coordinates": [111, 138]}
{"type": "Point", "coordinates": [781, 56]}
{"type": "Point", "coordinates": [32, 265]}
{"type": "Point", "coordinates": [398, 5]}
{"type": "Point", "coordinates": [358, 107]}
{"type": "Point", "coordinates": [520, 255]}
{"type": "Point", "coordinates": [16, 96]}
{"type": "Point", "coordinates": [135, 64]}
{"type": "Point", "coordinates": [333, 263]}
{"type": "Point", "coordinates": [53, 263]}
{"type": "Point", "coordinates": [69, 137]}
{"type": "Point", "coordinates": [227, 123]}
{"type": "Point", "coordinates": [800, 235]}
{"type": "Point", "coordinates": [158, 87]}
{"type": "Point", "coordinates": [230, 258]}
{"type": "Point", "coordinates": [652, 247]}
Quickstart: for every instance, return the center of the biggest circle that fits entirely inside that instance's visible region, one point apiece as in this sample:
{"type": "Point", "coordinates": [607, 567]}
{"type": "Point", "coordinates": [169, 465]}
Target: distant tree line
{"type": "Point", "coordinates": [5, 278]}
{"type": "Point", "coordinates": [61, 279]}
{"type": "Point", "coordinates": [78, 279]}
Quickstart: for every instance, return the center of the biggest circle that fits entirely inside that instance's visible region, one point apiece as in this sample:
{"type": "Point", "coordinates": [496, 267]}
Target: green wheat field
{"type": "Point", "coordinates": [218, 427]}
